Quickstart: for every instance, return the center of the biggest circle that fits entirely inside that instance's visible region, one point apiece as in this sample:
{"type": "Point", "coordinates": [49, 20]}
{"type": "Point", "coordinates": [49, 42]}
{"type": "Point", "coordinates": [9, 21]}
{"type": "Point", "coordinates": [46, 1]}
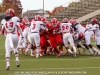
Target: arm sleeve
{"type": "Point", "coordinates": [20, 30]}
{"type": "Point", "coordinates": [93, 28]}
{"type": "Point", "coordinates": [2, 28]}
{"type": "Point", "coordinates": [18, 21]}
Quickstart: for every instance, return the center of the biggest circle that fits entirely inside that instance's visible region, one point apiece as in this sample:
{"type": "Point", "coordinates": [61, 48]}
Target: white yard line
{"type": "Point", "coordinates": [92, 58]}
{"type": "Point", "coordinates": [77, 68]}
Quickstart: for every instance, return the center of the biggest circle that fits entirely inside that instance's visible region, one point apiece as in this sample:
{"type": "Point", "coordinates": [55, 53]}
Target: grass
{"type": "Point", "coordinates": [50, 65]}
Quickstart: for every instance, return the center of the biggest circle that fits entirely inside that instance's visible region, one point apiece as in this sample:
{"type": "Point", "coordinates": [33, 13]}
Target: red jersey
{"type": "Point", "coordinates": [22, 26]}
{"type": "Point", "coordinates": [53, 29]}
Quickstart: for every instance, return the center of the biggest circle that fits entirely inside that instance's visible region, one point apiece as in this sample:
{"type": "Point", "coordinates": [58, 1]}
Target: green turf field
{"type": "Point", "coordinates": [50, 65]}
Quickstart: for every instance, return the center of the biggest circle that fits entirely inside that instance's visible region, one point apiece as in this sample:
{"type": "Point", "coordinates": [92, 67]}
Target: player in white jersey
{"type": "Point", "coordinates": [96, 29]}
{"type": "Point", "coordinates": [10, 26]}
{"type": "Point", "coordinates": [26, 24]}
{"type": "Point", "coordinates": [89, 26]}
{"type": "Point", "coordinates": [34, 34]}
{"type": "Point", "coordinates": [79, 28]}
{"type": "Point", "coordinates": [67, 36]}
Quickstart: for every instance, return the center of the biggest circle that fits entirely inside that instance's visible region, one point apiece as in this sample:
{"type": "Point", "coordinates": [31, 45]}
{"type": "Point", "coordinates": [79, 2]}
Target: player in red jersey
{"type": "Point", "coordinates": [54, 36]}
{"type": "Point", "coordinates": [43, 38]}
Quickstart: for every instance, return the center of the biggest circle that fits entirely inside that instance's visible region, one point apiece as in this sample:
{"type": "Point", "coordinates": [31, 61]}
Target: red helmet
{"type": "Point", "coordinates": [65, 20]}
{"type": "Point", "coordinates": [37, 17]}
{"type": "Point", "coordinates": [25, 21]}
{"type": "Point", "coordinates": [72, 21]}
{"type": "Point", "coordinates": [44, 19]}
{"type": "Point", "coordinates": [80, 35]}
{"type": "Point", "coordinates": [94, 20]}
{"type": "Point", "coordinates": [10, 12]}
{"type": "Point", "coordinates": [53, 20]}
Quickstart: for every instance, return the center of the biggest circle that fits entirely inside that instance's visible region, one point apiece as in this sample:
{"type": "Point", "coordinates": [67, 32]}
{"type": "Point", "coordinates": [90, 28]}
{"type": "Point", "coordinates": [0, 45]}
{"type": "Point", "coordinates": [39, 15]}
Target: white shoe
{"type": "Point", "coordinates": [91, 53]}
{"type": "Point", "coordinates": [62, 53]}
{"type": "Point", "coordinates": [17, 64]}
{"type": "Point", "coordinates": [41, 54]}
{"type": "Point", "coordinates": [7, 67]}
{"type": "Point", "coordinates": [74, 54]}
{"type": "Point", "coordinates": [37, 55]}
{"type": "Point", "coordinates": [32, 54]}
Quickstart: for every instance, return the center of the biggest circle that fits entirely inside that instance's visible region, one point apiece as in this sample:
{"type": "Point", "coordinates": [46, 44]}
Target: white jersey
{"type": "Point", "coordinates": [36, 26]}
{"type": "Point", "coordinates": [10, 25]}
{"type": "Point", "coordinates": [65, 27]}
{"type": "Point", "coordinates": [88, 28]}
{"type": "Point", "coordinates": [78, 28]}
{"type": "Point", "coordinates": [96, 30]}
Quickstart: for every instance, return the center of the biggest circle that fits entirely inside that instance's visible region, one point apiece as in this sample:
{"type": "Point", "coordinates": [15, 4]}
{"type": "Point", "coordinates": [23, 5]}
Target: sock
{"type": "Point", "coordinates": [90, 50]}
{"type": "Point", "coordinates": [32, 51]}
{"type": "Point", "coordinates": [28, 47]}
{"type": "Point", "coordinates": [7, 61]}
{"type": "Point", "coordinates": [61, 49]}
{"type": "Point", "coordinates": [94, 49]}
{"type": "Point", "coordinates": [37, 49]}
{"type": "Point", "coordinates": [70, 51]}
{"type": "Point", "coordinates": [74, 48]}
{"type": "Point", "coordinates": [16, 56]}
{"type": "Point", "coordinates": [83, 47]}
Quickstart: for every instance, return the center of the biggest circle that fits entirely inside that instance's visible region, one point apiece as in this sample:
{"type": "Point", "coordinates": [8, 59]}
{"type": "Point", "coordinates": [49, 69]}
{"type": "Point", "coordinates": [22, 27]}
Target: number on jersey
{"type": "Point", "coordinates": [65, 27]}
{"type": "Point", "coordinates": [10, 24]}
{"type": "Point", "coordinates": [34, 25]}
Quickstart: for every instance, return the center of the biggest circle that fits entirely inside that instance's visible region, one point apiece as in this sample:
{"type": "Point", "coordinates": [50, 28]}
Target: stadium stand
{"type": "Point", "coordinates": [79, 9]}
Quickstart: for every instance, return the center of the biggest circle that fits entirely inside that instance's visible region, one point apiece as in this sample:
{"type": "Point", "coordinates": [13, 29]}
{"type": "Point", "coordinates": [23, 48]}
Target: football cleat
{"type": "Point", "coordinates": [95, 53]}
{"type": "Point", "coordinates": [7, 67]}
{"type": "Point", "coordinates": [58, 55]}
{"type": "Point", "coordinates": [41, 54]}
{"type": "Point", "coordinates": [17, 64]}
{"type": "Point", "coordinates": [90, 53]}
{"type": "Point", "coordinates": [32, 54]}
{"type": "Point", "coordinates": [74, 55]}
{"type": "Point", "coordinates": [62, 53]}
{"type": "Point", "coordinates": [37, 55]}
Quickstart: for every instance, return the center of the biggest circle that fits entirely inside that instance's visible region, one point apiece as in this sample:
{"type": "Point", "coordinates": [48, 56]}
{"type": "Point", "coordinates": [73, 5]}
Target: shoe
{"type": "Point", "coordinates": [58, 55]}
{"type": "Point", "coordinates": [17, 64]}
{"type": "Point", "coordinates": [37, 55]}
{"type": "Point", "coordinates": [62, 53]}
{"type": "Point", "coordinates": [7, 67]}
{"type": "Point", "coordinates": [74, 55]}
{"type": "Point", "coordinates": [90, 53]}
{"type": "Point", "coordinates": [95, 53]}
{"type": "Point", "coordinates": [32, 54]}
{"type": "Point", "coordinates": [41, 54]}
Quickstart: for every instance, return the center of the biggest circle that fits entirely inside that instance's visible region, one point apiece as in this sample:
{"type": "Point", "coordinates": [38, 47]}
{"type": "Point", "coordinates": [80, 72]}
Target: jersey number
{"type": "Point", "coordinates": [34, 25]}
{"type": "Point", "coordinates": [10, 24]}
{"type": "Point", "coordinates": [65, 27]}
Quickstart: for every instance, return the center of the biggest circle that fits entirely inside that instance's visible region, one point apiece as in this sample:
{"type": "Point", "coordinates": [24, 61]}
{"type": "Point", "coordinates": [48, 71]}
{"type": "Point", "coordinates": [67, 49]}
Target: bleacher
{"type": "Point", "coordinates": [78, 9]}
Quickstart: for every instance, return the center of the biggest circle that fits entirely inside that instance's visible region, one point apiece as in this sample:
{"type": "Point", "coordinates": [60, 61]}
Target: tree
{"type": "Point", "coordinates": [48, 12]}
{"type": "Point", "coordinates": [57, 9]}
{"type": "Point", "coordinates": [14, 4]}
